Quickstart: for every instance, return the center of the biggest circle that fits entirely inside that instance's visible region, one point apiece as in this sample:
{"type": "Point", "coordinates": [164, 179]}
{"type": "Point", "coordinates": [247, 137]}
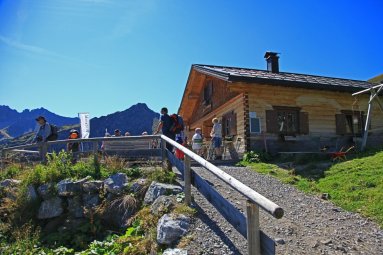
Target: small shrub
{"type": "Point", "coordinates": [256, 157]}
{"type": "Point", "coordinates": [184, 209]}
{"type": "Point", "coordinates": [11, 171]}
{"type": "Point", "coordinates": [163, 176]}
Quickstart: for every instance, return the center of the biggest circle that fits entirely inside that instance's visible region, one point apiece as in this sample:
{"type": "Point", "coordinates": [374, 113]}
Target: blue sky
{"type": "Point", "coordinates": [102, 56]}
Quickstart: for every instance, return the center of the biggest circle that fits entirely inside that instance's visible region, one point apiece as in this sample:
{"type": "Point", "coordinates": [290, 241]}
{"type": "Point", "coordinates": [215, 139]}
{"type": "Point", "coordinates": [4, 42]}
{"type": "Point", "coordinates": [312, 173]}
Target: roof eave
{"type": "Point", "coordinates": [297, 84]}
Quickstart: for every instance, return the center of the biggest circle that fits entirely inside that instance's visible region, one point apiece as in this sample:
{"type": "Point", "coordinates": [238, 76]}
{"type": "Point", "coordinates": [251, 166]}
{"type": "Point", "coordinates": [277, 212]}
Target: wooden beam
{"type": "Point", "coordinates": [249, 193]}
{"type": "Point", "coordinates": [367, 90]}
{"type": "Point", "coordinates": [187, 178]}
{"type": "Point", "coordinates": [367, 124]}
{"type": "Point", "coordinates": [224, 207]}
{"type": "Point", "coordinates": [253, 236]}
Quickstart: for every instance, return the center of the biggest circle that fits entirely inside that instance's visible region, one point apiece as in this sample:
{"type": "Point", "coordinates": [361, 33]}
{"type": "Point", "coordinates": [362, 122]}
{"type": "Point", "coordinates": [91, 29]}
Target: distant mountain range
{"type": "Point", "coordinates": [13, 124]}
{"type": "Point", "coordinates": [137, 119]}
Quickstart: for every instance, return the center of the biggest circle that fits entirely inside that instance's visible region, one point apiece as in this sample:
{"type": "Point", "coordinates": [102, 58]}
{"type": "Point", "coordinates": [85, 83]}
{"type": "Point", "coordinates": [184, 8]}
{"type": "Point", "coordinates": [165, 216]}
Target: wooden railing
{"type": "Point", "coordinates": [258, 242]}
{"type": "Point", "coordinates": [248, 226]}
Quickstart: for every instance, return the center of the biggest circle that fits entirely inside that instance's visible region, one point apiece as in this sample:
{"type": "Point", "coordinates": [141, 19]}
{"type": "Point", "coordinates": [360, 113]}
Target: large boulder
{"type": "Point", "coordinates": [171, 228]}
{"type": "Point", "coordinates": [170, 251]}
{"type": "Point", "coordinates": [137, 185]}
{"type": "Point", "coordinates": [163, 204]}
{"type": "Point", "coordinates": [50, 208]}
{"type": "Point", "coordinates": [116, 183]}
{"type": "Point", "coordinates": [31, 193]}
{"type": "Point", "coordinates": [75, 207]}
{"type": "Point", "coordinates": [90, 200]}
{"type": "Point", "coordinates": [157, 189]}
{"type": "Point", "coordinates": [46, 191]}
{"type": "Point", "coordinates": [67, 187]}
{"type": "Point", "coordinates": [92, 187]}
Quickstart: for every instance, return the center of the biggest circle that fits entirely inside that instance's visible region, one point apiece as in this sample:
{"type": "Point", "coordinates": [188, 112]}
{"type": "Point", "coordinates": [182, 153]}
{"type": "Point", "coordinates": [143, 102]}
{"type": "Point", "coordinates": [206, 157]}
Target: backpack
{"type": "Point", "coordinates": [177, 124]}
{"type": "Point", "coordinates": [54, 133]}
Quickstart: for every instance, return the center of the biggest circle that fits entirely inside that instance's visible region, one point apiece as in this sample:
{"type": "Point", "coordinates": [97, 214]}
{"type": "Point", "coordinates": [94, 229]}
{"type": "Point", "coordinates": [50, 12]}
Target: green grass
{"type": "Point", "coordinates": [355, 185]}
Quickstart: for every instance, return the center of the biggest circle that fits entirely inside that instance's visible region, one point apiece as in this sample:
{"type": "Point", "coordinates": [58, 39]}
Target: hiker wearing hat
{"type": "Point", "coordinates": [44, 130]}
{"type": "Point", "coordinates": [117, 133]}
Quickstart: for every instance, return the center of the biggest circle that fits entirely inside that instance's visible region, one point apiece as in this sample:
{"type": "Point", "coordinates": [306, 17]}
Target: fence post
{"type": "Point", "coordinates": [43, 152]}
{"type": "Point", "coordinates": [187, 179]}
{"type": "Point", "coordinates": [95, 150]}
{"type": "Point", "coordinates": [3, 155]}
{"type": "Point", "coordinates": [253, 236]}
{"type": "Point", "coordinates": [163, 154]}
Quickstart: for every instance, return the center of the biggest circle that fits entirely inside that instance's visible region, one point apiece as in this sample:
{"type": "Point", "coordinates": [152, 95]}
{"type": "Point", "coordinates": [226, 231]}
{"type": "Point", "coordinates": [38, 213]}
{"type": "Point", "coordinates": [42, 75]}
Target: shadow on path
{"type": "Point", "coordinates": [216, 229]}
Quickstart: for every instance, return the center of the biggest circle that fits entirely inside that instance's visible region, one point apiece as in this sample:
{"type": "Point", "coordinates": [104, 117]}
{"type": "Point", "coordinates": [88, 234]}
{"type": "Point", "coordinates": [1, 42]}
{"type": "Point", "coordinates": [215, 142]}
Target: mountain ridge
{"type": "Point", "coordinates": [136, 119]}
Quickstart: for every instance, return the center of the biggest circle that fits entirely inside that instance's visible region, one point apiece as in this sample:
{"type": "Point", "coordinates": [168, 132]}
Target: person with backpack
{"type": "Point", "coordinates": [75, 146]}
{"type": "Point", "coordinates": [46, 132]}
{"type": "Point", "coordinates": [165, 126]}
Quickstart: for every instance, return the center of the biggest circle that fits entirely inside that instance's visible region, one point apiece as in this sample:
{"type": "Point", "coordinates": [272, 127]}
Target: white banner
{"type": "Point", "coordinates": [85, 124]}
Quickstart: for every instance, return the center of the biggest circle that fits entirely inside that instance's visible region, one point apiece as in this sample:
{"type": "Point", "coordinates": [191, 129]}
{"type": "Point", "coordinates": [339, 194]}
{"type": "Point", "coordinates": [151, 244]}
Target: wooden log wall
{"type": "Point", "coordinates": [236, 104]}
{"type": "Point", "coordinates": [321, 106]}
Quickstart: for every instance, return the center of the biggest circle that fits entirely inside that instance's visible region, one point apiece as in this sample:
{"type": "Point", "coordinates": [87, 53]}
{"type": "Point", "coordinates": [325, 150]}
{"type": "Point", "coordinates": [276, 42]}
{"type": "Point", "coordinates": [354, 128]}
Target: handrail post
{"type": "Point", "coordinates": [253, 236]}
{"type": "Point", "coordinates": [187, 179]}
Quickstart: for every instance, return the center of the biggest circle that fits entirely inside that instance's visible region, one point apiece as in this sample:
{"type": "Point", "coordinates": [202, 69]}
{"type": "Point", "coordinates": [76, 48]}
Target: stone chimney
{"type": "Point", "coordinates": [272, 61]}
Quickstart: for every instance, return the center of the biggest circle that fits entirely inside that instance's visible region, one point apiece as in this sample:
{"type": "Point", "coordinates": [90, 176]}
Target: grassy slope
{"type": "Point", "coordinates": [355, 185]}
{"type": "Point", "coordinates": [377, 79]}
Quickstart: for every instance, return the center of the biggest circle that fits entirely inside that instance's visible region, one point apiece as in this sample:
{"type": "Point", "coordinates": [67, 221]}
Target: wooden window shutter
{"type": "Point", "coordinates": [271, 121]}
{"type": "Point", "coordinates": [340, 122]}
{"type": "Point", "coordinates": [223, 123]}
{"type": "Point", "coordinates": [233, 124]}
{"type": "Point", "coordinates": [304, 123]}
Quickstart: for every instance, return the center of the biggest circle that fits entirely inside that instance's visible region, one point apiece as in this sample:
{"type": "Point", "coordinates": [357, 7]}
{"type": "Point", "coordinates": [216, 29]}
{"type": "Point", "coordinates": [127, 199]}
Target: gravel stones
{"type": "Point", "coordinates": [306, 228]}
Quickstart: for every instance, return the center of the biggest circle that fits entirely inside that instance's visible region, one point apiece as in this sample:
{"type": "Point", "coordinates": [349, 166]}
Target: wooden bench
{"type": "Point", "coordinates": [131, 149]}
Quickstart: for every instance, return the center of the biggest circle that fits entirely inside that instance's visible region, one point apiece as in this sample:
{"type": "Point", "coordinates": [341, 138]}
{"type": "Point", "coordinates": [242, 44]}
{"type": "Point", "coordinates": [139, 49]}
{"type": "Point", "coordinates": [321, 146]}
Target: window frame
{"type": "Point", "coordinates": [253, 115]}
{"type": "Point", "coordinates": [208, 93]}
{"type": "Point", "coordinates": [301, 125]}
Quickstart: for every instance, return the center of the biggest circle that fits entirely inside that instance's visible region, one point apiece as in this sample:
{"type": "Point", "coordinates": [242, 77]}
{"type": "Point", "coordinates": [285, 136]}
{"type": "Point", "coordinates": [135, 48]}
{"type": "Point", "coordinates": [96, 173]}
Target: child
{"type": "Point", "coordinates": [197, 141]}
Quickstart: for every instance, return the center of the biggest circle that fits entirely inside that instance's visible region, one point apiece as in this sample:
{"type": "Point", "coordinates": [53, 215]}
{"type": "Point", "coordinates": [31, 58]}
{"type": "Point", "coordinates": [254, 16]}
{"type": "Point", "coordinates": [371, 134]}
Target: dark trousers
{"type": "Point", "coordinates": [171, 136]}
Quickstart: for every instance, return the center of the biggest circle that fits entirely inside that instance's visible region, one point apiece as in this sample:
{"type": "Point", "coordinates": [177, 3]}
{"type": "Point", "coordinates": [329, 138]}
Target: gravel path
{"type": "Point", "coordinates": [310, 225]}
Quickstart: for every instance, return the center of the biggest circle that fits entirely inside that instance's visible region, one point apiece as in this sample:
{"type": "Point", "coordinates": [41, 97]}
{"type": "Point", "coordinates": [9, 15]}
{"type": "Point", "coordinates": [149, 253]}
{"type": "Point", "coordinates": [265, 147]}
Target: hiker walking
{"type": "Point", "coordinates": [165, 126]}
{"type": "Point", "coordinates": [46, 131]}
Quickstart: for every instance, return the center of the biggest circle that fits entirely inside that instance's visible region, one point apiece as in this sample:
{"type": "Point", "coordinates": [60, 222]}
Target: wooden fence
{"type": "Point", "coordinates": [248, 226]}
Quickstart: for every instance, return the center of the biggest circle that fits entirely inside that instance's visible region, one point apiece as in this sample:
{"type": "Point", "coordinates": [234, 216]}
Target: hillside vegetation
{"type": "Point", "coordinates": [355, 185]}
{"type": "Point", "coordinates": [96, 231]}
